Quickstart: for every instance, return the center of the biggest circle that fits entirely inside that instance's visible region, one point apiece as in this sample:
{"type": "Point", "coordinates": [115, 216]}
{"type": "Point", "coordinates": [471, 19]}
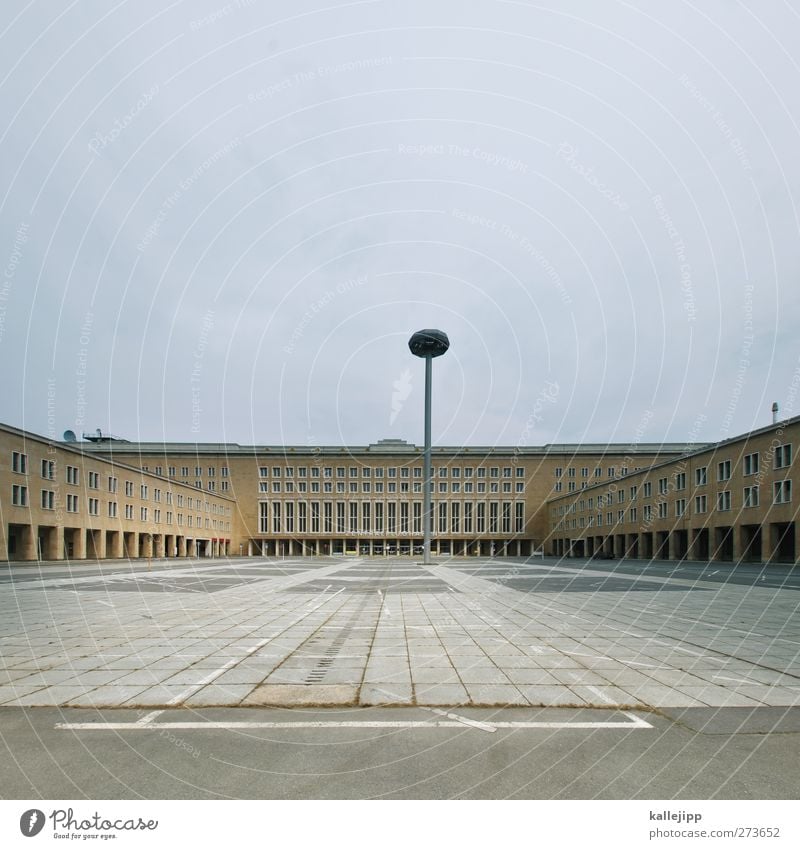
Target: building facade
{"type": "Point", "coordinates": [731, 501]}
{"type": "Point", "coordinates": [112, 498]}
{"type": "Point", "coordinates": [58, 503]}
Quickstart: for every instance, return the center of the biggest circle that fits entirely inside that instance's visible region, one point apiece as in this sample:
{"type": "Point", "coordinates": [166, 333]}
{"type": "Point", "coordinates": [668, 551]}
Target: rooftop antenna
{"type": "Point", "coordinates": [774, 412]}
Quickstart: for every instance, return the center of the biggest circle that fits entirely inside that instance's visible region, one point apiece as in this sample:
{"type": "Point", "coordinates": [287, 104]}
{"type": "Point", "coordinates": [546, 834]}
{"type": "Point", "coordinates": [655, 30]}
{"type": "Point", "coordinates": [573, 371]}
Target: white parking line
{"type": "Point", "coordinates": [634, 722]}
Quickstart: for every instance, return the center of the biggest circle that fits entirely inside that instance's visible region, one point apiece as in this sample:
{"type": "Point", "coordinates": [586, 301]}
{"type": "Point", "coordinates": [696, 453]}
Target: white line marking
{"type": "Point", "coordinates": [483, 726]}
{"type": "Point", "coordinates": [601, 695]}
{"type": "Point", "coordinates": [739, 680]}
{"type": "Point", "coordinates": [634, 722]}
{"type": "Point", "coordinates": [148, 718]}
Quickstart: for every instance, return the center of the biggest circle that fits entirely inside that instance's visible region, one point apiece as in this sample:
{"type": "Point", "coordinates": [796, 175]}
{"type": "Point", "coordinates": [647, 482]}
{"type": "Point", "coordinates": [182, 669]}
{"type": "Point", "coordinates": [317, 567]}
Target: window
{"type": "Point", "coordinates": [680, 507]}
{"type": "Point", "coordinates": [750, 498]}
{"type": "Point", "coordinates": [276, 486]}
{"type": "Point", "coordinates": [19, 463]}
{"type": "Point", "coordinates": [519, 517]}
{"type": "Point", "coordinates": [751, 464]}
{"type": "Point", "coordinates": [505, 526]}
{"type": "Point", "coordinates": [72, 503]}
{"type": "Point", "coordinates": [19, 495]}
{"type": "Point", "coordinates": [632, 493]}
{"type": "Point", "coordinates": [611, 472]}
{"type": "Point", "coordinates": [442, 472]}
{"type": "Point", "coordinates": [263, 471]}
{"type": "Point", "coordinates": [662, 486]}
{"type": "Point", "coordinates": [129, 489]}
{"type": "Point", "coordinates": [620, 496]}
{"type": "Point", "coordinates": [647, 488]}
{"type": "Point", "coordinates": [647, 512]}
{"type": "Point", "coordinates": [143, 492]}
{"type": "Point", "coordinates": [519, 486]}
{"type": "Point", "coordinates": [701, 476]}
{"type": "Point", "coordinates": [662, 509]}
{"type": "Point", "coordinates": [379, 517]}
{"type": "Point", "coordinates": [571, 473]}
{"type": "Point", "coordinates": [129, 511]}
{"type": "Point", "coordinates": [783, 456]}
{"type": "Point", "coordinates": [571, 486]}
{"type": "Point", "coordinates": [506, 471]}
{"type": "Point", "coordinates": [558, 471]}
{"type": "Point", "coordinates": [417, 518]}
{"type": "Point", "coordinates": [72, 475]}
{"type": "Point", "coordinates": [314, 517]}
{"type": "Point", "coordinates": [48, 470]}
{"type": "Point", "coordinates": [48, 499]}
{"type": "Point", "coordinates": [289, 522]}
{"type": "Point", "coordinates": [171, 471]}
{"type": "Point", "coordinates": [185, 471]}
{"type": "Point", "coordinates": [94, 506]}
{"type": "Point", "coordinates": [782, 492]}
{"type": "Point", "coordinates": [158, 470]}
{"type": "Point", "coordinates": [112, 509]}
{"type": "Point", "coordinates": [558, 486]}
{"type": "Point", "coordinates": [365, 517]}
{"type": "Point", "coordinates": [112, 484]}
{"type": "Point", "coordinates": [276, 517]}
{"type": "Point", "coordinates": [598, 472]}
{"type": "Point", "coordinates": [632, 513]}
{"type": "Point", "coordinates": [143, 514]}
{"type": "Point", "coordinates": [680, 481]}
{"type": "Point", "coordinates": [492, 517]}
{"type": "Point", "coordinates": [700, 504]}
{"type": "Point", "coordinates": [724, 500]}
{"type": "Point", "coordinates": [480, 517]}
{"type": "Point", "coordinates": [724, 470]}
{"type": "Point", "coordinates": [585, 472]}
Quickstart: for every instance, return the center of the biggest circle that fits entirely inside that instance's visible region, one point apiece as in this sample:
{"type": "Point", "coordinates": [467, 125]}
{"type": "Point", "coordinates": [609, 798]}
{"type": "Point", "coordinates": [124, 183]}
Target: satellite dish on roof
{"type": "Point", "coordinates": [69, 436]}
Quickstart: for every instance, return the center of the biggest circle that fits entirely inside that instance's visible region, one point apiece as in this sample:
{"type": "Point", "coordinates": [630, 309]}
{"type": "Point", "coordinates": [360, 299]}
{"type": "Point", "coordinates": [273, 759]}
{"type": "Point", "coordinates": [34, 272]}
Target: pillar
{"type": "Point", "coordinates": [27, 543]}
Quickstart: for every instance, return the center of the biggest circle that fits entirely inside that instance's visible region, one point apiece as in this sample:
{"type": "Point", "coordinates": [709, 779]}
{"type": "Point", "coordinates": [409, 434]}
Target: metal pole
{"type": "Point", "coordinates": [427, 515]}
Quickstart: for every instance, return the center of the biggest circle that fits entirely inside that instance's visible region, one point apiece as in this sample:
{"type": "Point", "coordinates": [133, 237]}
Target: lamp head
{"type": "Point", "coordinates": [429, 343]}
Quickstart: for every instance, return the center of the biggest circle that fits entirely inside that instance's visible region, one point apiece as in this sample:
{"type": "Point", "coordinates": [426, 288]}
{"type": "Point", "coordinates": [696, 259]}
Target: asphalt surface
{"type": "Point", "coordinates": [382, 678]}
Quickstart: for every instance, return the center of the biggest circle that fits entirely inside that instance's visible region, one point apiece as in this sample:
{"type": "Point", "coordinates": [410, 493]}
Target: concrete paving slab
{"type": "Point", "coordinates": [217, 695]}
{"type": "Point", "coordinates": [288, 695]}
{"type": "Point", "coordinates": [543, 696]}
{"type": "Point", "coordinates": [495, 694]}
{"type": "Point", "coordinates": [436, 695]}
{"type": "Point", "coordinates": [390, 695]}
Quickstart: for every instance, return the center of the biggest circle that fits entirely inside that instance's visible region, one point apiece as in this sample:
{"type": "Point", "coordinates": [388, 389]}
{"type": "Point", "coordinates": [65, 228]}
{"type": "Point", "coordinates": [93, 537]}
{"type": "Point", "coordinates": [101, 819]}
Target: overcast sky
{"type": "Point", "coordinates": [223, 222]}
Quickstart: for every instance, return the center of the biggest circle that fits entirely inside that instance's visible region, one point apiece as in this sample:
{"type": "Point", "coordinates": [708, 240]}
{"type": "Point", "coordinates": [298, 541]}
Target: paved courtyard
{"type": "Point", "coordinates": [390, 631]}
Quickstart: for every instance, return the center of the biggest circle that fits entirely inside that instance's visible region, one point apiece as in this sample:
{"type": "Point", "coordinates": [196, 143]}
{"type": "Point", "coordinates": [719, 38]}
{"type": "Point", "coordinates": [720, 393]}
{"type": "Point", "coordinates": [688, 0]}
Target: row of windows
{"type": "Point", "coordinates": [598, 472]}
{"type": "Point", "coordinates": [389, 472]}
{"type": "Point", "coordinates": [19, 463]}
{"type": "Point", "coordinates": [354, 487]}
{"type": "Point", "coordinates": [781, 494]}
{"type": "Point", "coordinates": [391, 517]}
{"type": "Point", "coordinates": [186, 471]}
{"type": "Point", "coordinates": [19, 498]}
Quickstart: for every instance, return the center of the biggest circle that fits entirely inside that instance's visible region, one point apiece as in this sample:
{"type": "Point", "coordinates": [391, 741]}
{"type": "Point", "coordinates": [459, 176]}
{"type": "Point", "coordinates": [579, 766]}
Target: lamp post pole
{"type": "Point", "coordinates": [428, 344]}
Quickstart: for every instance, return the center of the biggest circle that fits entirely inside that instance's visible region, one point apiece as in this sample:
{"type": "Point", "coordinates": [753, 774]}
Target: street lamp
{"type": "Point", "coordinates": [428, 344]}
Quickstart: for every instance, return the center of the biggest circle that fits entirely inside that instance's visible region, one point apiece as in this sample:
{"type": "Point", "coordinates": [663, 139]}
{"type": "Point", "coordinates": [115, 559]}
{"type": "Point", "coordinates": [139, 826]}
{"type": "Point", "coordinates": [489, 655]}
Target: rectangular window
{"type": "Point", "coordinates": [94, 506]}
{"type": "Point", "coordinates": [263, 517]}
{"type": "Point", "coordinates": [276, 517]}
{"type": "Point", "coordinates": [647, 512]}
{"type": "Point", "coordinates": [468, 518]}
{"type": "Point", "coordinates": [19, 496]}
{"type": "Point", "coordinates": [129, 512]}
{"type": "Point", "coordinates": [48, 499]}
{"type": "Point", "coordinates": [680, 481]}
{"type": "Point", "coordinates": [288, 506]}
{"type": "Point", "coordinates": [632, 493]}
{"type": "Point", "coordinates": [379, 517]}
{"type": "Point", "coordinates": [315, 517]}
{"type": "Point", "coordinates": [19, 462]}
{"type": "Point", "coordinates": [403, 517]}
{"type": "Point", "coordinates": [782, 492]}
{"type": "Point", "coordinates": [263, 471]}
{"type": "Point", "coordinates": [701, 476]}
{"type": "Point", "coordinates": [750, 498]}
{"type": "Point", "coordinates": [353, 517]}
{"type": "Point", "coordinates": [570, 473]}
{"type": "Point", "coordinates": [750, 464]}
{"type": "Point", "coordinates": [327, 517]}
{"type": "Point", "coordinates": [724, 500]}
{"type": "Point", "coordinates": [72, 475]}
{"type": "Point", "coordinates": [492, 517]}
{"type": "Point", "coordinates": [112, 484]}
{"type": "Point", "coordinates": [662, 509]}
{"type": "Point", "coordinates": [302, 521]}
{"type": "Point", "coordinates": [143, 514]}
{"type": "Point", "coordinates": [632, 513]}
{"type": "Point", "coordinates": [647, 489]}
{"type": "Point", "coordinates": [783, 456]}
{"type": "Point", "coordinates": [480, 517]}
{"type": "Point", "coordinates": [366, 523]}
{"type": "Point", "coordinates": [112, 509]}
{"type": "Point", "coordinates": [519, 517]}
{"type": "Point", "coordinates": [48, 470]}
{"type": "Point", "coordinates": [680, 507]}
{"type": "Point", "coordinates": [585, 472]}
{"type": "Point", "coordinates": [724, 470]}
{"type": "Point", "coordinates": [558, 471]}
{"type": "Point", "coordinates": [700, 503]}
{"type": "Point", "coordinates": [662, 486]}
{"type": "Point", "coordinates": [391, 518]}
{"type": "Point", "coordinates": [417, 520]}
{"type": "Point", "coordinates": [340, 517]}
{"type": "Point", "coordinates": [455, 517]}
{"type": "Point", "coordinates": [505, 525]}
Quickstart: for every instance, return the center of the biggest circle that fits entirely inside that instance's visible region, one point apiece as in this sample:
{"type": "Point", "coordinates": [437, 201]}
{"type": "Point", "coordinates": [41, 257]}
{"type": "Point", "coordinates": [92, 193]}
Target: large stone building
{"type": "Point", "coordinates": [298, 500]}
